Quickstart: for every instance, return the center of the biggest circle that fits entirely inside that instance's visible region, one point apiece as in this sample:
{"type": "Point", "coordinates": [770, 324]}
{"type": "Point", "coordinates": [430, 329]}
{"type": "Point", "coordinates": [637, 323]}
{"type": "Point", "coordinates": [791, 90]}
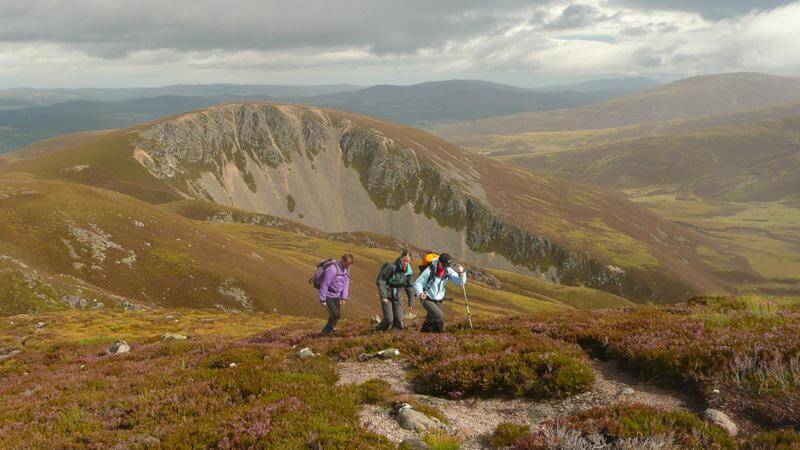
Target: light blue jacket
{"type": "Point", "coordinates": [436, 289]}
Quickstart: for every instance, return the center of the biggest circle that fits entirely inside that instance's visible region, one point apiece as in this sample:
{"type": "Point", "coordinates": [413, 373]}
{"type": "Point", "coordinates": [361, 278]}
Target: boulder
{"type": "Point", "coordinates": [411, 419]}
{"type": "Point", "coordinates": [40, 325]}
{"type": "Point", "coordinates": [413, 443]}
{"type": "Point", "coordinates": [119, 347]}
{"type": "Point", "coordinates": [540, 412]}
{"type": "Point", "coordinates": [721, 420]}
{"type": "Point", "coordinates": [305, 353]}
{"type": "Point", "coordinates": [174, 337]}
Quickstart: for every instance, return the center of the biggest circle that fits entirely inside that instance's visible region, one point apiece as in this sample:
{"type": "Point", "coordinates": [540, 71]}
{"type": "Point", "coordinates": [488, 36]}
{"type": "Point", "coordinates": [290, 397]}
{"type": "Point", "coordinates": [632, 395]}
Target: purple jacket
{"type": "Point", "coordinates": [336, 283]}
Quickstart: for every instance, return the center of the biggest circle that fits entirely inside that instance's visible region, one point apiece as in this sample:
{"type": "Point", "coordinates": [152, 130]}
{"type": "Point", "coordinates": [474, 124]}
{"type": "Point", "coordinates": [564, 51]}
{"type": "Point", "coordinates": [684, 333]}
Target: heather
{"type": "Point", "coordinates": [740, 353]}
{"type": "Point", "coordinates": [237, 381]}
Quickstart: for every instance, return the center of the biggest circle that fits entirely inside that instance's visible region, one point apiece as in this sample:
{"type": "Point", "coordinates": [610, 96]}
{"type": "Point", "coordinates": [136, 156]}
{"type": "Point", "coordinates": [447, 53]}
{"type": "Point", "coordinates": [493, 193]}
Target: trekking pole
{"type": "Point", "coordinates": [466, 301]}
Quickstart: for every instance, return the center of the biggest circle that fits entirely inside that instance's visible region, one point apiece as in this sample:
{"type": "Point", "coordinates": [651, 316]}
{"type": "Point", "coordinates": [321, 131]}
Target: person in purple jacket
{"type": "Point", "coordinates": [334, 291]}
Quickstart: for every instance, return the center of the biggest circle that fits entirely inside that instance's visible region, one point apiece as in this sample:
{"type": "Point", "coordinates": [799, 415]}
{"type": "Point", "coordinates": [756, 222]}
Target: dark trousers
{"type": "Point", "coordinates": [434, 320]}
{"type": "Point", "coordinates": [392, 314]}
{"type": "Point", "coordinates": [409, 290]}
{"type": "Point", "coordinates": [334, 314]}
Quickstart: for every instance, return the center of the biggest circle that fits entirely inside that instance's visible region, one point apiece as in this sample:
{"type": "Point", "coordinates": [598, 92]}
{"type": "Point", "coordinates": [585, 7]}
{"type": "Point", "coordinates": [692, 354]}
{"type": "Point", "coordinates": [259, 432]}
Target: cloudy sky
{"type": "Point", "coordinates": [103, 43]}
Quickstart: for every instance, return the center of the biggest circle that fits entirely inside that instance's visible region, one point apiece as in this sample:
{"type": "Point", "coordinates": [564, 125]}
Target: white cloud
{"type": "Point", "coordinates": [107, 43]}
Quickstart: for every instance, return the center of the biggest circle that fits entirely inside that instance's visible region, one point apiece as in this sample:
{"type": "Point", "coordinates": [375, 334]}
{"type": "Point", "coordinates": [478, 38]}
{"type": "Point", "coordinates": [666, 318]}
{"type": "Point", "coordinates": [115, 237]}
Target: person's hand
{"type": "Point", "coordinates": [385, 300]}
{"type": "Point", "coordinates": [324, 304]}
{"type": "Point", "coordinates": [423, 296]}
{"type": "Point", "coordinates": [344, 301]}
{"type": "Point", "coordinates": [460, 269]}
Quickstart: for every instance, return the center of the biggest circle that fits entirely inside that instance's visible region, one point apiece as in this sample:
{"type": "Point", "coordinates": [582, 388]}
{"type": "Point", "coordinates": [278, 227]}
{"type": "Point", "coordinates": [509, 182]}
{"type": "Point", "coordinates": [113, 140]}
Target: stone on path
{"type": "Point", "coordinates": [721, 420]}
{"type": "Point", "coordinates": [119, 347]}
{"type": "Point", "coordinates": [411, 419]}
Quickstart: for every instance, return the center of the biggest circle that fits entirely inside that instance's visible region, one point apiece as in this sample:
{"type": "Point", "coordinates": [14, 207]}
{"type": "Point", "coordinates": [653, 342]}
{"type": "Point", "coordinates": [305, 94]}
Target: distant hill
{"type": "Point", "coordinates": [44, 97]}
{"type": "Point", "coordinates": [629, 84]}
{"type": "Point", "coordinates": [454, 100]}
{"type": "Point", "coordinates": [690, 97]}
{"type": "Point", "coordinates": [421, 104]}
{"type": "Point", "coordinates": [22, 126]}
{"type": "Point", "coordinates": [340, 172]}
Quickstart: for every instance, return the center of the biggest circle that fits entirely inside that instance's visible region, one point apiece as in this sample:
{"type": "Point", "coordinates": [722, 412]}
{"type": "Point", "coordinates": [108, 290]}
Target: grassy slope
{"type": "Point", "coordinates": [753, 162]}
{"type": "Point", "coordinates": [182, 262]}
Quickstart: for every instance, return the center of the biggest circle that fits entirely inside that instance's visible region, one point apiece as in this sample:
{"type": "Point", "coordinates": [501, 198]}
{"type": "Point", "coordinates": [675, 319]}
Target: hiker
{"type": "Point", "coordinates": [391, 279]}
{"type": "Point", "coordinates": [332, 278]}
{"type": "Point", "coordinates": [431, 288]}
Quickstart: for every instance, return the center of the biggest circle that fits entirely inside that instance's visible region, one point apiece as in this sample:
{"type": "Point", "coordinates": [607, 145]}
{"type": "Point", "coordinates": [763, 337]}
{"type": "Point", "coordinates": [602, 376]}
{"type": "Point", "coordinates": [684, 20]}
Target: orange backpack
{"type": "Point", "coordinates": [427, 260]}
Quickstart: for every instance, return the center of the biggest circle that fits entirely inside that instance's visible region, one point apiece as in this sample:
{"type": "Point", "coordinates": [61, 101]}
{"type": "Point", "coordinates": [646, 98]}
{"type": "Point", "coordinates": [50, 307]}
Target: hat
{"type": "Point", "coordinates": [445, 260]}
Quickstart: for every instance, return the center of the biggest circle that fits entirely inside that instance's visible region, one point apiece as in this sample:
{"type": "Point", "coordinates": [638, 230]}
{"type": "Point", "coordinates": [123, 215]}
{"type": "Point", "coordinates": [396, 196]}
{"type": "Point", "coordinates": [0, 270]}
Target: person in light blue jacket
{"type": "Point", "coordinates": [431, 287]}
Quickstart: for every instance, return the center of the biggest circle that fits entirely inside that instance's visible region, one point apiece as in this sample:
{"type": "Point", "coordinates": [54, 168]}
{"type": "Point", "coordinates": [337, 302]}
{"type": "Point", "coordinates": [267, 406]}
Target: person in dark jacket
{"type": "Point", "coordinates": [393, 278]}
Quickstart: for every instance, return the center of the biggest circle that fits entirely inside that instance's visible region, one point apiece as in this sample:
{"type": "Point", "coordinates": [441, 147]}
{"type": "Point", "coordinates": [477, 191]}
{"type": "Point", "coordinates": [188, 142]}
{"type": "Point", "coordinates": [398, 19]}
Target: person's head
{"type": "Point", "coordinates": [445, 260]}
{"type": "Point", "coordinates": [347, 260]}
{"type": "Point", "coordinates": [405, 259]}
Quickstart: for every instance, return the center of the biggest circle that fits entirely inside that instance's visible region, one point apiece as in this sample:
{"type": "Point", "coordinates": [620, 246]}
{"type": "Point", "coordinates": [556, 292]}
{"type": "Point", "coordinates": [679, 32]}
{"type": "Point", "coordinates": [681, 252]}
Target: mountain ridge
{"type": "Point", "coordinates": [395, 180]}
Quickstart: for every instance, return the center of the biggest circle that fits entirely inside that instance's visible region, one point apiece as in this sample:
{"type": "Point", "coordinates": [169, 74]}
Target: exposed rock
{"type": "Point", "coordinates": [411, 419]}
{"type": "Point", "coordinates": [238, 294]}
{"type": "Point", "coordinates": [40, 325]}
{"type": "Point", "coordinates": [305, 353]}
{"type": "Point", "coordinates": [540, 412]}
{"type": "Point", "coordinates": [174, 337]}
{"type": "Point", "coordinates": [389, 353]}
{"type": "Point", "coordinates": [73, 301]}
{"type": "Point", "coordinates": [414, 443]}
{"type": "Point", "coordinates": [119, 347]}
{"type": "Point", "coordinates": [721, 420]}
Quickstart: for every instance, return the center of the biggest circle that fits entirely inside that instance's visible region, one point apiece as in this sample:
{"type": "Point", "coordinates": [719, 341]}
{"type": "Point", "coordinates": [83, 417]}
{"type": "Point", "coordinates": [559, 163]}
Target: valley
{"type": "Point", "coordinates": [731, 176]}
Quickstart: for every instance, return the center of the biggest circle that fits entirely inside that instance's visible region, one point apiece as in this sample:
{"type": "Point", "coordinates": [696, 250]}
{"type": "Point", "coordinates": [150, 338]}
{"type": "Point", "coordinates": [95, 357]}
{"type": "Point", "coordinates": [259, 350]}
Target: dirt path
{"type": "Point", "coordinates": [475, 419]}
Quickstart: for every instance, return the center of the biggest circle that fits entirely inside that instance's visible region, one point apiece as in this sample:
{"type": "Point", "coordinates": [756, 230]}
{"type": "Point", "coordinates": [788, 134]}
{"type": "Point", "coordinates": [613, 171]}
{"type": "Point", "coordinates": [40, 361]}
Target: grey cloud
{"type": "Point", "coordinates": [709, 9]}
{"type": "Point", "coordinates": [115, 28]}
{"type": "Point", "coordinates": [576, 15]}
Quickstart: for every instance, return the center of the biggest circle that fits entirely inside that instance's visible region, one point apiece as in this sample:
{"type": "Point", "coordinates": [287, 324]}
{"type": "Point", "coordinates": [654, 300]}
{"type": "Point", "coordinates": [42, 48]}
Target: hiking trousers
{"type": "Point", "coordinates": [392, 314]}
{"type": "Point", "coordinates": [334, 306]}
{"type": "Point", "coordinates": [434, 321]}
